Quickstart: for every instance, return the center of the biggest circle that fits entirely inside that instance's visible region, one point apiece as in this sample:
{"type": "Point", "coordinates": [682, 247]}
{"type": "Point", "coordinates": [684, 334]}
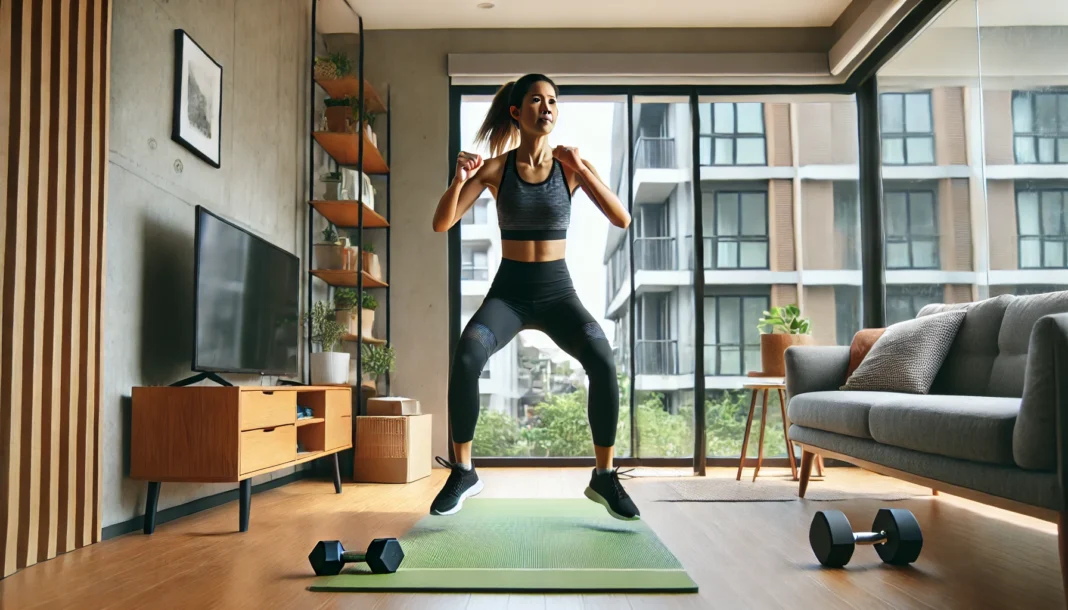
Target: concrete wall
{"type": "Point", "coordinates": [414, 66]}
{"type": "Point", "coordinates": [262, 46]}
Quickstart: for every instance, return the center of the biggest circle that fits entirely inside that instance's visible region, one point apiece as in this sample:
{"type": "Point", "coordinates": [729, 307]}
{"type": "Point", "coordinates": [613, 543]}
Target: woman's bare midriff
{"type": "Point", "coordinates": [533, 251]}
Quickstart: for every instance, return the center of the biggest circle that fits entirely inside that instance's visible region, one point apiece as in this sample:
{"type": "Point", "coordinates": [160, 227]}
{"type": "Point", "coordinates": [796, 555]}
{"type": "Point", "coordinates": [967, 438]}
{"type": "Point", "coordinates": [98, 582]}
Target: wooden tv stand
{"type": "Point", "coordinates": [207, 434]}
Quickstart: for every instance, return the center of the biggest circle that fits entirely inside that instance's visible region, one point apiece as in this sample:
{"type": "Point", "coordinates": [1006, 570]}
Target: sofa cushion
{"type": "Point", "coordinates": [966, 370]}
{"type": "Point", "coordinates": [1007, 374]}
{"type": "Point", "coordinates": [861, 345]}
{"type": "Point", "coordinates": [1034, 441]}
{"type": "Point", "coordinates": [839, 412]}
{"type": "Point", "coordinates": [976, 428]}
{"type": "Point", "coordinates": [908, 356]}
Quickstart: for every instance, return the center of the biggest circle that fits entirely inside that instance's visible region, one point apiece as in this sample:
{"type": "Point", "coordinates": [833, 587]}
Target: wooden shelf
{"type": "Point", "coordinates": [307, 421]}
{"type": "Point", "coordinates": [349, 86]}
{"type": "Point", "coordinates": [345, 214]}
{"type": "Point", "coordinates": [371, 340]}
{"type": "Point", "coordinates": [347, 279]}
{"type": "Point", "coordinates": [345, 149]}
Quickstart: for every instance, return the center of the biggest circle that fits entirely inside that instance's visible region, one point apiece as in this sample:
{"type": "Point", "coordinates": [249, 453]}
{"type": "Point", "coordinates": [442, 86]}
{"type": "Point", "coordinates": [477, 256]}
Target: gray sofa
{"type": "Point", "coordinates": [993, 428]}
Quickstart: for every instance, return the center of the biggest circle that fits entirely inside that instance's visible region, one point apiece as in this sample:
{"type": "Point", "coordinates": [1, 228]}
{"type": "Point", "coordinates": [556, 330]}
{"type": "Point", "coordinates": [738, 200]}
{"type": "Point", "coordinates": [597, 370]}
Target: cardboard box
{"type": "Point", "coordinates": [393, 449]}
{"type": "Point", "coordinates": [392, 405]}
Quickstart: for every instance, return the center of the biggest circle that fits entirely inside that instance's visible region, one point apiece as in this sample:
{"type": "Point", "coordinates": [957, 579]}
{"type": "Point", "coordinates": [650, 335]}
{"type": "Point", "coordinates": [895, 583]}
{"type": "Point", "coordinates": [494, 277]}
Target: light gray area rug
{"type": "Point", "coordinates": [779, 489]}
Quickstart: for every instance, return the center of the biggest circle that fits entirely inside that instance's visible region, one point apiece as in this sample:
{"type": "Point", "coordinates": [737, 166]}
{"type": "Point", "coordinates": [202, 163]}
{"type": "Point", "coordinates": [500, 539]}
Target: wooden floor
{"type": "Point", "coordinates": [742, 555]}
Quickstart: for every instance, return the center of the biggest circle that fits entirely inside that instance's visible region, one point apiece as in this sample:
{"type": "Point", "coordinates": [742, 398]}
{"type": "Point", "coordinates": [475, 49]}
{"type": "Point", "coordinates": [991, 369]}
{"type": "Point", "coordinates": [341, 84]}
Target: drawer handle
{"type": "Point", "coordinates": [268, 393]}
{"type": "Point", "coordinates": [266, 430]}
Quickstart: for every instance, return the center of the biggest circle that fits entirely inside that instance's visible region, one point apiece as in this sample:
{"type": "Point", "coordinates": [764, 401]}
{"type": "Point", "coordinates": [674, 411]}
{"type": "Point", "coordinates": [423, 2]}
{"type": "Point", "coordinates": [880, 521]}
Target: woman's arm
{"type": "Point", "coordinates": [467, 184]}
{"type": "Point", "coordinates": [595, 188]}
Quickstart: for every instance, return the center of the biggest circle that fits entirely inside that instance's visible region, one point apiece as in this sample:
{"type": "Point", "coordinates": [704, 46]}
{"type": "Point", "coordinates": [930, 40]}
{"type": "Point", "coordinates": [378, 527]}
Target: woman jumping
{"type": "Point", "coordinates": [532, 184]}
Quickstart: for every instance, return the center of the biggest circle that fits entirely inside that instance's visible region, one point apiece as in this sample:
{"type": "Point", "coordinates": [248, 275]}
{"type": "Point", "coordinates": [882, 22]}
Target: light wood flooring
{"type": "Point", "coordinates": [742, 555]}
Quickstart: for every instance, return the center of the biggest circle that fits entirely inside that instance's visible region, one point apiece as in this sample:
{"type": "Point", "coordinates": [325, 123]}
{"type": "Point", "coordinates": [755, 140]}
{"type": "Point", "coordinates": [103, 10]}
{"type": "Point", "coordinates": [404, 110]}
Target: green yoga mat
{"type": "Point", "coordinates": [519, 545]}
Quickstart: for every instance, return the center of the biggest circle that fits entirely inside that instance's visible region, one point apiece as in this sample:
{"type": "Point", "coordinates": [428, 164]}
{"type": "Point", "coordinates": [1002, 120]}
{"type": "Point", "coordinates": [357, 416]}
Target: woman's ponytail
{"type": "Point", "coordinates": [499, 129]}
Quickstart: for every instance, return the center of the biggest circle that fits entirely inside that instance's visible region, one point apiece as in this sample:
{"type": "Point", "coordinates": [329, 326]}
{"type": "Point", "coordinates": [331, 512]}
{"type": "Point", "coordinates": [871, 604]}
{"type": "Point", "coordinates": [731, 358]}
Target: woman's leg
{"type": "Point", "coordinates": [571, 327]}
{"type": "Point", "coordinates": [492, 326]}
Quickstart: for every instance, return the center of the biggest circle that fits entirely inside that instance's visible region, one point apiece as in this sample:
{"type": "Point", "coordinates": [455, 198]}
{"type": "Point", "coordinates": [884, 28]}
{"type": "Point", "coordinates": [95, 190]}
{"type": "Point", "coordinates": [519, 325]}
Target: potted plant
{"type": "Point", "coordinates": [368, 122]}
{"type": "Point", "coordinates": [332, 183]}
{"type": "Point", "coordinates": [327, 366]}
{"type": "Point", "coordinates": [371, 264]}
{"type": "Point", "coordinates": [330, 253]}
{"type": "Point", "coordinates": [378, 360]}
{"type": "Point", "coordinates": [338, 111]}
{"type": "Point", "coordinates": [345, 302]}
{"type": "Point", "coordinates": [332, 67]}
{"type": "Point", "coordinates": [368, 304]}
{"type": "Point", "coordinates": [780, 328]}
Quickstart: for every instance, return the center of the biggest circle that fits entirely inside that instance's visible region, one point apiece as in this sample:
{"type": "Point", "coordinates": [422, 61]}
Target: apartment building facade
{"type": "Point", "coordinates": [964, 218]}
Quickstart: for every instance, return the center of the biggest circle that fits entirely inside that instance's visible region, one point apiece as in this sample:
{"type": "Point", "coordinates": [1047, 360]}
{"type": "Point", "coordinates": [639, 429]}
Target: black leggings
{"type": "Point", "coordinates": [536, 296]}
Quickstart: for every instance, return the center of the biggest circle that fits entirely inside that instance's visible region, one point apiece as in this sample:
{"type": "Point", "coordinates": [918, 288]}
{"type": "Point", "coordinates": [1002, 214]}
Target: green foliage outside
{"type": "Point", "coordinates": [558, 427]}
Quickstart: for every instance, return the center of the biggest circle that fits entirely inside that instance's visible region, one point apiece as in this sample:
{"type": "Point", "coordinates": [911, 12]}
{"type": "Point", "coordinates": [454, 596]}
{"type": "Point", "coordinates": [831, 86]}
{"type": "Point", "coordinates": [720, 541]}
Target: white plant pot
{"type": "Point", "coordinates": [330, 368]}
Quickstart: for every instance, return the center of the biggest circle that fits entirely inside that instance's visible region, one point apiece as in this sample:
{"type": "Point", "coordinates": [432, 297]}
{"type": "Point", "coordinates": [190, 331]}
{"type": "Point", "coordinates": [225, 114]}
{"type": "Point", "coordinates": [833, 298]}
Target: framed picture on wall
{"type": "Point", "coordinates": [197, 122]}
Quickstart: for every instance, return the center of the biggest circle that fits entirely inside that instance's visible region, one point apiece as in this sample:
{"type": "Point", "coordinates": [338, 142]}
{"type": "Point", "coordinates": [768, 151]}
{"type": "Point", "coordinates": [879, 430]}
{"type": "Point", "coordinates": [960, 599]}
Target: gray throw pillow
{"type": "Point", "coordinates": [908, 356]}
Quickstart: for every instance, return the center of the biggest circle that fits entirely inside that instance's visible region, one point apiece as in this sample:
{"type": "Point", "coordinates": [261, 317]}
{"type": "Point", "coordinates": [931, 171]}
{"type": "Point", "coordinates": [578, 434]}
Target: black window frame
{"type": "Point", "coordinates": [861, 82]}
{"type": "Point", "coordinates": [1042, 238]}
{"type": "Point", "coordinates": [708, 133]}
{"type": "Point", "coordinates": [908, 238]}
{"type": "Point", "coordinates": [1034, 135]}
{"type": "Point", "coordinates": [905, 134]}
{"type": "Point", "coordinates": [713, 241]}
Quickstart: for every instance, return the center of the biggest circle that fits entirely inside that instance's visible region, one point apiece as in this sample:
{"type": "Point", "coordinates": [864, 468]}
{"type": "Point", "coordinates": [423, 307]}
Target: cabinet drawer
{"type": "Point", "coordinates": [268, 408]}
{"type": "Point", "coordinates": [338, 432]}
{"type": "Point", "coordinates": [268, 447]}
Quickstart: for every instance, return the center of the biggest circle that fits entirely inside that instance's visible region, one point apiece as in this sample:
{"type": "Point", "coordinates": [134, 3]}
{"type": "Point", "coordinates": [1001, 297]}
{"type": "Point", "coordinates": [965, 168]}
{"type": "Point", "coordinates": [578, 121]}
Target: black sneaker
{"type": "Point", "coordinates": [606, 490]}
{"type": "Point", "coordinates": [460, 484]}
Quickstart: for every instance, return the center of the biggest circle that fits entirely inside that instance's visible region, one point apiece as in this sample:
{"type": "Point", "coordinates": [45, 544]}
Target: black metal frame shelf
{"type": "Point", "coordinates": [335, 211]}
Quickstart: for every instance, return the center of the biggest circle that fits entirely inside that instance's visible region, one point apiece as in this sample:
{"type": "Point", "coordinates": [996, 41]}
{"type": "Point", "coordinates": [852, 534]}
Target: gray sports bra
{"type": "Point", "coordinates": [533, 212]}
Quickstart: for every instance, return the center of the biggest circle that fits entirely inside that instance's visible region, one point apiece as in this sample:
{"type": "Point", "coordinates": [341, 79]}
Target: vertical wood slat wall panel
{"type": "Point", "coordinates": [54, 91]}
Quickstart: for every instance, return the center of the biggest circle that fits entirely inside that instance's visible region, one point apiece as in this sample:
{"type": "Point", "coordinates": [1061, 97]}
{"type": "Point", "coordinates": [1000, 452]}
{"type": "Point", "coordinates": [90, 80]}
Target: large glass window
{"type": "Point", "coordinates": [907, 128]}
{"type": "Point", "coordinates": [911, 229]}
{"type": "Point", "coordinates": [903, 302]}
{"type": "Point", "coordinates": [1042, 217]}
{"type": "Point", "coordinates": [738, 226]}
{"type": "Point", "coordinates": [1040, 126]}
{"type": "Point", "coordinates": [732, 338]}
{"type": "Point", "coordinates": [478, 214]}
{"type": "Point", "coordinates": [474, 263]}
{"type": "Point", "coordinates": [733, 134]}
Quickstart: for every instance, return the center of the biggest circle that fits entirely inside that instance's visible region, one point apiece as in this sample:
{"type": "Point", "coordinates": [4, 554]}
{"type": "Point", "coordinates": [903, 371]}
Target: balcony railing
{"type": "Point", "coordinates": [656, 357]}
{"type": "Point", "coordinates": [656, 253]}
{"type": "Point", "coordinates": [470, 272]}
{"type": "Point", "coordinates": [654, 153]}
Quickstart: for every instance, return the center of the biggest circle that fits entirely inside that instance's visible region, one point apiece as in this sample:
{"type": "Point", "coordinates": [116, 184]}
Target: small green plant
{"type": "Point", "coordinates": [368, 301]}
{"type": "Point", "coordinates": [369, 248]}
{"type": "Point", "coordinates": [342, 63]}
{"type": "Point", "coordinates": [335, 102]}
{"type": "Point", "coordinates": [378, 359]}
{"type": "Point", "coordinates": [786, 320]}
{"type": "Point", "coordinates": [345, 299]}
{"type": "Point", "coordinates": [368, 117]}
{"type": "Point", "coordinates": [325, 329]}
{"type": "Point", "coordinates": [330, 234]}
{"type": "Point", "coordinates": [331, 177]}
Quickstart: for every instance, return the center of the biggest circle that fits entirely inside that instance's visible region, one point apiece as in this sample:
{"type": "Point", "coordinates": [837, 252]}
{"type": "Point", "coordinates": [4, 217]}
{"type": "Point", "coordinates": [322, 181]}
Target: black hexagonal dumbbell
{"type": "Point", "coordinates": [383, 556]}
{"type": "Point", "coordinates": [896, 536]}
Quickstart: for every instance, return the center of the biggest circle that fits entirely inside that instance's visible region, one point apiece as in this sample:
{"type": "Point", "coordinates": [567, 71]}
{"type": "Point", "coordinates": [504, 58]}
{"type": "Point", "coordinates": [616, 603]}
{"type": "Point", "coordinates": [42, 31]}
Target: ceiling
{"type": "Point", "coordinates": [448, 14]}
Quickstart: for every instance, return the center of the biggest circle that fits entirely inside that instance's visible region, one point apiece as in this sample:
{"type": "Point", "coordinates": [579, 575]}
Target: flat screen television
{"type": "Point", "coordinates": [247, 300]}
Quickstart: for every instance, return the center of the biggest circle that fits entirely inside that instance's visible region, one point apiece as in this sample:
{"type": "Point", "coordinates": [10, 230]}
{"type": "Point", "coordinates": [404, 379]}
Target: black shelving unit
{"type": "Point", "coordinates": [369, 161]}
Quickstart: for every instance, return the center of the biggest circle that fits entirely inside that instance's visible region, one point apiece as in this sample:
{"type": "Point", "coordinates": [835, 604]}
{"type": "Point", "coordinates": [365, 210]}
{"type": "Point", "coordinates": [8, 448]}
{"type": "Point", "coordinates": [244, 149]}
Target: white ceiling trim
{"type": "Point", "coordinates": [644, 68]}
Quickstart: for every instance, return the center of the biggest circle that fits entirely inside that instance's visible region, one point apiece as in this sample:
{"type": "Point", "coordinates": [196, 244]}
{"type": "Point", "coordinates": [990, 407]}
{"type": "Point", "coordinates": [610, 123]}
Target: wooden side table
{"type": "Point", "coordinates": [757, 385]}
